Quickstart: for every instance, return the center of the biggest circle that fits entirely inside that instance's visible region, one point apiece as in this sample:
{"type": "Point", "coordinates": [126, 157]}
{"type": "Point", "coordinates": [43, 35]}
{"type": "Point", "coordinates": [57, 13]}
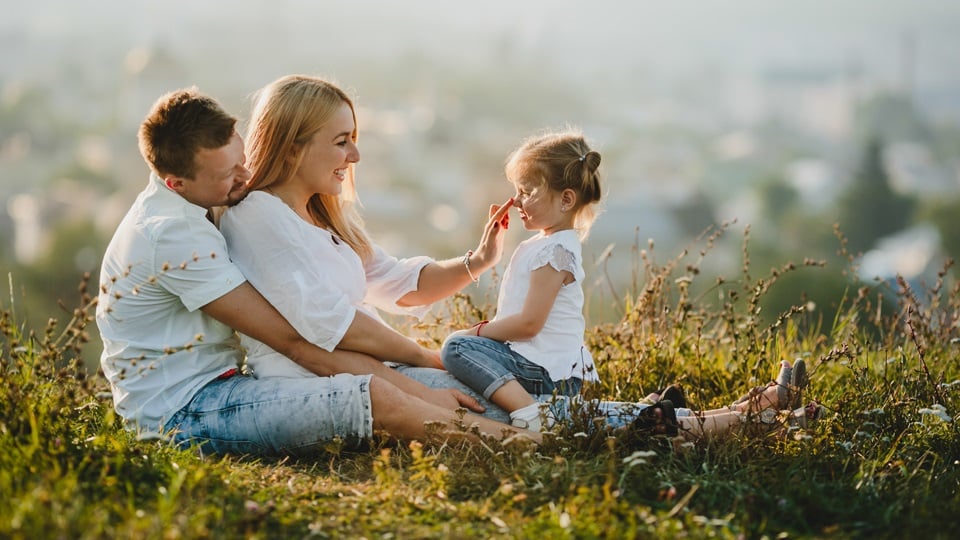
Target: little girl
{"type": "Point", "coordinates": [534, 345]}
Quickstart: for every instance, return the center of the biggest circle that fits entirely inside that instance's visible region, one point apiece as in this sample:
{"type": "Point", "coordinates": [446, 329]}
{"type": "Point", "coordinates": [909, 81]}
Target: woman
{"type": "Point", "coordinates": [299, 240]}
{"type": "Point", "coordinates": [301, 243]}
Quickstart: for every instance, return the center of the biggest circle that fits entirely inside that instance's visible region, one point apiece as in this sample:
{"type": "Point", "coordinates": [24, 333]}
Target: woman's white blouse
{"type": "Point", "coordinates": [314, 279]}
{"type": "Point", "coordinates": [559, 346]}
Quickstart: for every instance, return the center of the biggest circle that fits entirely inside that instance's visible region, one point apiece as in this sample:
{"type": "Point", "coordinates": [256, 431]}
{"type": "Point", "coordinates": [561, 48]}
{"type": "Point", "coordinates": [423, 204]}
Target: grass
{"type": "Point", "coordinates": [883, 463]}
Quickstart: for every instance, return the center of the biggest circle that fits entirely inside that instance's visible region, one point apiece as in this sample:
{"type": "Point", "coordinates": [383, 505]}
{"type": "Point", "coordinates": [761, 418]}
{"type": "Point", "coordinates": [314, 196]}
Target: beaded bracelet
{"type": "Point", "coordinates": [466, 264]}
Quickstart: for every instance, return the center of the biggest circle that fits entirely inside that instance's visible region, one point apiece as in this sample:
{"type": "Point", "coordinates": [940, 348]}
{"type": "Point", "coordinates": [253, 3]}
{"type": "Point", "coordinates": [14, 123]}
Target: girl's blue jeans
{"type": "Point", "coordinates": [486, 365]}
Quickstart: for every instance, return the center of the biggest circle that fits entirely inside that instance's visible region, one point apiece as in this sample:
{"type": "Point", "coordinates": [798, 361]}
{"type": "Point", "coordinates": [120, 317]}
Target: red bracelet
{"type": "Point", "coordinates": [479, 325]}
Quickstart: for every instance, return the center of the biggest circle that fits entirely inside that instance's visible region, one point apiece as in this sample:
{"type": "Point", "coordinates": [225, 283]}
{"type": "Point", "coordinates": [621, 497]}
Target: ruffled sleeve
{"type": "Point", "coordinates": [557, 256]}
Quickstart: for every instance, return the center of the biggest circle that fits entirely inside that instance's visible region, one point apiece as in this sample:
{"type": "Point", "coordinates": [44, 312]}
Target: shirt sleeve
{"type": "Point", "coordinates": [557, 256]}
{"type": "Point", "coordinates": [390, 278]}
{"type": "Point", "coordinates": [190, 261]}
{"type": "Point", "coordinates": [279, 262]}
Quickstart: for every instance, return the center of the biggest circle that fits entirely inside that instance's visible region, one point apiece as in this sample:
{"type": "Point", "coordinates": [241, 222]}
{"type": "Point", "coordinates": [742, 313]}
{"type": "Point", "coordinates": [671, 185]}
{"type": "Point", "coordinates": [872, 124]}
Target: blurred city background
{"type": "Point", "coordinates": [787, 117]}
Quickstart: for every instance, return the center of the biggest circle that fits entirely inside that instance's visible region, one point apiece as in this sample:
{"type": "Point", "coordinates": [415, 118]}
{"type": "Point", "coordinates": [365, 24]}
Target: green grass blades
{"type": "Point", "coordinates": [884, 462]}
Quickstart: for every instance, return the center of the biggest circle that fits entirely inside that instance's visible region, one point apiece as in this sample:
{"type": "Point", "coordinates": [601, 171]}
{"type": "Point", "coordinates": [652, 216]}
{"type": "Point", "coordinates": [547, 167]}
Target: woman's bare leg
{"type": "Point", "coordinates": [719, 422]}
{"type": "Point", "coordinates": [726, 419]}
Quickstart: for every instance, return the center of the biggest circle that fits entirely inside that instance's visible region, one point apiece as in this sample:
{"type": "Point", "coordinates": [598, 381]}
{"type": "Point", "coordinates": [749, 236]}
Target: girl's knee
{"type": "Point", "coordinates": [450, 353]}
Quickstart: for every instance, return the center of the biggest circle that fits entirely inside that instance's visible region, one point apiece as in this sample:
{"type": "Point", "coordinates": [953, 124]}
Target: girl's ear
{"type": "Point", "coordinates": [568, 198]}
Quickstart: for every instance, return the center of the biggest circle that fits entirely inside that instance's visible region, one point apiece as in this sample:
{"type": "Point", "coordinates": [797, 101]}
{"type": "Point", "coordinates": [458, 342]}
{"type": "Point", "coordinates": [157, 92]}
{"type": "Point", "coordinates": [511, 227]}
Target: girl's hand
{"type": "Point", "coordinates": [461, 332]}
{"type": "Point", "coordinates": [490, 248]}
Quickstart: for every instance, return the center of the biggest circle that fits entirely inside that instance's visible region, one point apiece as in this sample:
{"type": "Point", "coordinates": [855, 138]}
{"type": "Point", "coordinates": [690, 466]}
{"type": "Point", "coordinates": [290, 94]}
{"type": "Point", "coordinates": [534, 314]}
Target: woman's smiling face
{"type": "Point", "coordinates": [329, 154]}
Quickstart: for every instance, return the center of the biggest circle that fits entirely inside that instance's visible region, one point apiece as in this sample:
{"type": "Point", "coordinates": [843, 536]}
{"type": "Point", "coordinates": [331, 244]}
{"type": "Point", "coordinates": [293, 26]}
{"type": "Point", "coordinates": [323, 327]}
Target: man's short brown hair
{"type": "Point", "coordinates": [178, 126]}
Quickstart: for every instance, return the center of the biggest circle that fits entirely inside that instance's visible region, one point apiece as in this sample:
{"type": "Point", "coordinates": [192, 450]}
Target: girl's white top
{"type": "Point", "coordinates": [559, 346]}
{"type": "Point", "coordinates": [314, 279]}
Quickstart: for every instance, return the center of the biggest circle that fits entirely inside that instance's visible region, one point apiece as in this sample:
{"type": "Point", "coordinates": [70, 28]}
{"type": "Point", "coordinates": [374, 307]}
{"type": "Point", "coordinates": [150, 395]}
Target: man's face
{"type": "Point", "coordinates": [220, 178]}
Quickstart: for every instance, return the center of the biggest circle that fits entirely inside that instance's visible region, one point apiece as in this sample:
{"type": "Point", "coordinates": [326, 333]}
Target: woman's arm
{"type": "Point", "coordinates": [440, 279]}
{"type": "Point", "coordinates": [370, 336]}
{"type": "Point", "coordinates": [545, 284]}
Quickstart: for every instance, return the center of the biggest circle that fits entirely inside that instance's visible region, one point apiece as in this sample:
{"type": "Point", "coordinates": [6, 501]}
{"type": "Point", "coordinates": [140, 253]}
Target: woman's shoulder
{"type": "Point", "coordinates": [256, 203]}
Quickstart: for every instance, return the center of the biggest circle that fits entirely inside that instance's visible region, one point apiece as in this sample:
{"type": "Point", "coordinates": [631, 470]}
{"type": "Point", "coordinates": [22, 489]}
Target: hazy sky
{"type": "Point", "coordinates": [670, 36]}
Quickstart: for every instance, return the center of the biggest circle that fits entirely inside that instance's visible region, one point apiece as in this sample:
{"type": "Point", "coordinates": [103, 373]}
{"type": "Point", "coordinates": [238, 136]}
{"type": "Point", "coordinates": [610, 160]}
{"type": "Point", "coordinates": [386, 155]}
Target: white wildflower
{"type": "Point", "coordinates": [638, 458]}
{"type": "Point", "coordinates": [937, 410]}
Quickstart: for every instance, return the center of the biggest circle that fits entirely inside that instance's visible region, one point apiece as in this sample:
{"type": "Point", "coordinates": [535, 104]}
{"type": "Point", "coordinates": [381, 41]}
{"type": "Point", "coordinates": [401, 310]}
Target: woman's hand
{"type": "Point", "coordinates": [490, 248]}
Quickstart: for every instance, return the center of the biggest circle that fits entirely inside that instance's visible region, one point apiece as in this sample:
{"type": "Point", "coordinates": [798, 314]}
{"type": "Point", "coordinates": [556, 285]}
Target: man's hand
{"type": "Point", "coordinates": [453, 399]}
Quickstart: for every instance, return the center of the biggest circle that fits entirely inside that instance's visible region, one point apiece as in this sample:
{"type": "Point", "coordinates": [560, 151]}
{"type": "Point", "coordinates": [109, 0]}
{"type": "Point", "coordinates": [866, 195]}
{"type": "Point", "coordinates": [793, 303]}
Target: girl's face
{"type": "Point", "coordinates": [329, 154]}
{"type": "Point", "coordinates": [540, 207]}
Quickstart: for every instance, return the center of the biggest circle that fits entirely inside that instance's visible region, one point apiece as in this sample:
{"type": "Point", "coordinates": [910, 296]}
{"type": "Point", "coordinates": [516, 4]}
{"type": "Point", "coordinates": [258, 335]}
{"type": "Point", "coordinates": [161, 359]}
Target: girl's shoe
{"type": "Point", "coordinates": [798, 383]}
{"type": "Point", "coordinates": [805, 417]}
{"type": "Point", "coordinates": [788, 393]}
{"type": "Point", "coordinates": [648, 422]}
{"type": "Point", "coordinates": [674, 394]}
{"type": "Point", "coordinates": [533, 425]}
{"type": "Point", "coordinates": [782, 422]}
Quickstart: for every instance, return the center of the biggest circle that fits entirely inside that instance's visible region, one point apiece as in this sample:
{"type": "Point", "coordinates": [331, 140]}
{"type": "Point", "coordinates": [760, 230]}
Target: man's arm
{"type": "Point", "coordinates": [247, 311]}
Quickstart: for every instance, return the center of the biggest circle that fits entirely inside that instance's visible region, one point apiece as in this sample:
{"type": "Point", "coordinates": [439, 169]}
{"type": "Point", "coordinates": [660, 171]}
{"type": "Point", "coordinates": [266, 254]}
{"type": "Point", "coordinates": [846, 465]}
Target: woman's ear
{"type": "Point", "coordinates": [293, 156]}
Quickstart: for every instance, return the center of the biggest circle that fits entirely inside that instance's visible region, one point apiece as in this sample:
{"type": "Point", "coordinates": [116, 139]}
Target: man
{"type": "Point", "coordinates": [170, 300]}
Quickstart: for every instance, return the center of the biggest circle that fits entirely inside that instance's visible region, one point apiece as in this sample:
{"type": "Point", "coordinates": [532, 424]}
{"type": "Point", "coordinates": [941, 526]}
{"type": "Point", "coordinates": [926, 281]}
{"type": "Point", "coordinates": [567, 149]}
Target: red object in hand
{"type": "Point", "coordinates": [505, 220]}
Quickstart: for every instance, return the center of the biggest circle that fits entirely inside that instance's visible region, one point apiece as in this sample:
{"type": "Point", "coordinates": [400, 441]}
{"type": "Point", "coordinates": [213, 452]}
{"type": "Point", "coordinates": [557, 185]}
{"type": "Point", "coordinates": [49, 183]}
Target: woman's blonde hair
{"type": "Point", "coordinates": [562, 160]}
{"type": "Point", "coordinates": [286, 114]}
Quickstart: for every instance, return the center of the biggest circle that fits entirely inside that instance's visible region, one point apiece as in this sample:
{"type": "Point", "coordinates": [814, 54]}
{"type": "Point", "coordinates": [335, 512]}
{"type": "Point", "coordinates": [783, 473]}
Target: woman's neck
{"type": "Point", "coordinates": [296, 201]}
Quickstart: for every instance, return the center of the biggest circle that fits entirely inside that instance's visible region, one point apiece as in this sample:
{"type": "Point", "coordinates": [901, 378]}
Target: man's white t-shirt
{"type": "Point", "coordinates": [165, 261]}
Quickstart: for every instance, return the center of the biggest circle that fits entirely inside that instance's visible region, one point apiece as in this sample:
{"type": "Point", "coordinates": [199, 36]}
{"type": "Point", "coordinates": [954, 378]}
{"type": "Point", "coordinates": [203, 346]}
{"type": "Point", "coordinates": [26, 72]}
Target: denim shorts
{"type": "Point", "coordinates": [486, 365]}
{"type": "Point", "coordinates": [275, 416]}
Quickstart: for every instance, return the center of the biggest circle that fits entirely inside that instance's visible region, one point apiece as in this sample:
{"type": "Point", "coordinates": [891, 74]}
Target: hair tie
{"type": "Point", "coordinates": [583, 157]}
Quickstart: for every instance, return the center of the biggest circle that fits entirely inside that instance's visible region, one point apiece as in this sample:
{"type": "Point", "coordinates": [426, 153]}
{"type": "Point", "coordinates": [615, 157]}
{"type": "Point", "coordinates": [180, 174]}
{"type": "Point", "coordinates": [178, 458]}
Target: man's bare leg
{"type": "Point", "coordinates": [405, 416]}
